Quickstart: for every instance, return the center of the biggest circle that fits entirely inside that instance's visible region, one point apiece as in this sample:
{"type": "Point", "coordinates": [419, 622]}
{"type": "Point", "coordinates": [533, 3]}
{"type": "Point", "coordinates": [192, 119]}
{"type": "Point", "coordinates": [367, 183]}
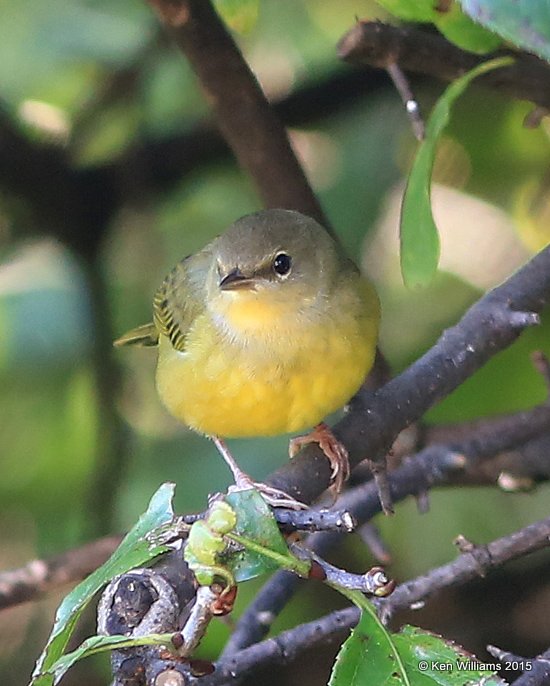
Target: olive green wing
{"type": "Point", "coordinates": [177, 303]}
{"type": "Point", "coordinates": [145, 335]}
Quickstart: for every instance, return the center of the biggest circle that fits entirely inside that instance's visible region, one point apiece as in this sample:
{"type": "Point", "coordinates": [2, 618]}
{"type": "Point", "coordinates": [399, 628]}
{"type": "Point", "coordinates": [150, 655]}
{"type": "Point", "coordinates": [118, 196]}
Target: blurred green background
{"type": "Point", "coordinates": [84, 439]}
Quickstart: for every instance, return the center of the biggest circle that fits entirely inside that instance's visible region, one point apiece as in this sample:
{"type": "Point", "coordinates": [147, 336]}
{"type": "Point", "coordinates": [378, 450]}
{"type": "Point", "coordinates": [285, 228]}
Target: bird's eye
{"type": "Point", "coordinates": [282, 264]}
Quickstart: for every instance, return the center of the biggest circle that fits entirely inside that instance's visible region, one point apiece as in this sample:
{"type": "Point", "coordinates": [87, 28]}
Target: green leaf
{"type": "Point", "coordinates": [421, 10]}
{"type": "Point", "coordinates": [526, 23]}
{"type": "Point", "coordinates": [418, 232]}
{"type": "Point", "coordinates": [366, 658]}
{"type": "Point", "coordinates": [254, 522]}
{"type": "Point", "coordinates": [451, 21]}
{"type": "Point", "coordinates": [100, 644]}
{"type": "Point", "coordinates": [134, 551]}
{"type": "Point", "coordinates": [462, 31]}
{"type": "Point", "coordinates": [239, 15]}
{"type": "Point", "coordinates": [445, 662]}
{"type": "Point", "coordinates": [424, 660]}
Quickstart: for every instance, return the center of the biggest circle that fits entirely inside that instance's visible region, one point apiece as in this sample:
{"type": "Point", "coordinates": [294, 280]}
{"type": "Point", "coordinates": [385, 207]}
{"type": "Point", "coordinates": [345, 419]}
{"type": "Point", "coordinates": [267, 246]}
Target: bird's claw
{"type": "Point", "coordinates": [334, 450]}
{"type": "Point", "coordinates": [274, 497]}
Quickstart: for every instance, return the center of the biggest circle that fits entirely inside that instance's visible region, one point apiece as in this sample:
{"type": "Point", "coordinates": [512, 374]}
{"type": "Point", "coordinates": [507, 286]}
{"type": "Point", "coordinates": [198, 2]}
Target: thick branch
{"type": "Point", "coordinates": [428, 468]}
{"type": "Point", "coordinates": [415, 50]}
{"type": "Point", "coordinates": [468, 566]}
{"type": "Point", "coordinates": [368, 430]}
{"type": "Point", "coordinates": [434, 466]}
{"type": "Point", "coordinates": [539, 674]}
{"type": "Point", "coordinates": [245, 118]}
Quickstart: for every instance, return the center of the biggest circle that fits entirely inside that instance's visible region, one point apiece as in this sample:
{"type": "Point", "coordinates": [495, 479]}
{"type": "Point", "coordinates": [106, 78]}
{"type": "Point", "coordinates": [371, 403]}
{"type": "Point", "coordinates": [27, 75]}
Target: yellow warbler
{"type": "Point", "coordinates": [265, 331]}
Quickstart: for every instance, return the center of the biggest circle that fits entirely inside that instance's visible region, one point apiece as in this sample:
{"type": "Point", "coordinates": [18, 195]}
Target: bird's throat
{"type": "Point", "coordinates": [253, 314]}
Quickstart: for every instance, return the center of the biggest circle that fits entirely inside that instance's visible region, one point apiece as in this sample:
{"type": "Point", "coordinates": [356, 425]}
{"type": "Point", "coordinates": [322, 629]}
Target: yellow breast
{"type": "Point", "coordinates": [285, 383]}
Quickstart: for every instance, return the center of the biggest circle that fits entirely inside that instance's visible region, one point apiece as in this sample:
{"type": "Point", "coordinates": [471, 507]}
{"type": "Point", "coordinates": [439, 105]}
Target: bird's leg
{"type": "Point", "coordinates": [335, 452]}
{"type": "Point", "coordinates": [272, 496]}
{"type": "Point", "coordinates": [242, 480]}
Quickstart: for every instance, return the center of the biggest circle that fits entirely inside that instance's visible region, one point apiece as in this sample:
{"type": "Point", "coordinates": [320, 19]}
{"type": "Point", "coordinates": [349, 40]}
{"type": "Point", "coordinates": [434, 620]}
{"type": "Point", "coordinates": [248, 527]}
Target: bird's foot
{"type": "Point", "coordinates": [273, 496]}
{"type": "Point", "coordinates": [335, 452]}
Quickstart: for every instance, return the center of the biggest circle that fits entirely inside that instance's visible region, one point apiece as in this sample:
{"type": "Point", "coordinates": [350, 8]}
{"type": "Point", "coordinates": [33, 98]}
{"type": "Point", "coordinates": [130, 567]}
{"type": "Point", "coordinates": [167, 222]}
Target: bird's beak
{"type": "Point", "coordinates": [236, 280]}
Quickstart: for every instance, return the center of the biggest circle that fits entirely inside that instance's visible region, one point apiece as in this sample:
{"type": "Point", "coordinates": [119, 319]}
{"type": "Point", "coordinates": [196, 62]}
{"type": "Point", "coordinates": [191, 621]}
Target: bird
{"type": "Point", "coordinates": [265, 331]}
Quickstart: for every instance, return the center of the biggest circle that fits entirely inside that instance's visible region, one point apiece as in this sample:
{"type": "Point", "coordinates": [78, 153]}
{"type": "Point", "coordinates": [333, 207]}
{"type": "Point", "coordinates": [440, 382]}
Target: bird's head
{"type": "Point", "coordinates": [271, 269]}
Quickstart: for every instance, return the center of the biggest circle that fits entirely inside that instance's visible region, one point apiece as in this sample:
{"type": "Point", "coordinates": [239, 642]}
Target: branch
{"type": "Point", "coordinates": [370, 428]}
{"type": "Point", "coordinates": [540, 673]}
{"type": "Point", "coordinates": [536, 670]}
{"type": "Point", "coordinates": [42, 173]}
{"type": "Point", "coordinates": [433, 466]}
{"type": "Point", "coordinates": [245, 118]}
{"type": "Point", "coordinates": [380, 45]}
{"type": "Point", "coordinates": [476, 563]}
{"type": "Point", "coordinates": [39, 577]}
{"type": "Point", "coordinates": [513, 469]}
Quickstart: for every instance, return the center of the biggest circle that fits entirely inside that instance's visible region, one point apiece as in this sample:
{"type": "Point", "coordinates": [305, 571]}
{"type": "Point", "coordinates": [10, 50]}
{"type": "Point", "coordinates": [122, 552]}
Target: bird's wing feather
{"type": "Point", "coordinates": [177, 303]}
{"type": "Point", "coordinates": [146, 335]}
{"type": "Point", "coordinates": [182, 297]}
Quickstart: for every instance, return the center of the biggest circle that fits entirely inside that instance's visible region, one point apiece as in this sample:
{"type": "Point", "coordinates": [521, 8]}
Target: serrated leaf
{"type": "Point", "coordinates": [134, 551]}
{"type": "Point", "coordinates": [419, 658]}
{"type": "Point", "coordinates": [255, 522]}
{"type": "Point", "coordinates": [366, 658]}
{"type": "Point", "coordinates": [526, 23]}
{"type": "Point", "coordinates": [418, 233]}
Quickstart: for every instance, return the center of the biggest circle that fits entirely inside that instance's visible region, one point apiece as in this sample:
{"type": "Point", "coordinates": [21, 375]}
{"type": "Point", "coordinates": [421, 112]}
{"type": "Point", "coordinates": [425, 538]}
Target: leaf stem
{"type": "Point", "coordinates": [302, 567]}
{"type": "Point", "coordinates": [290, 562]}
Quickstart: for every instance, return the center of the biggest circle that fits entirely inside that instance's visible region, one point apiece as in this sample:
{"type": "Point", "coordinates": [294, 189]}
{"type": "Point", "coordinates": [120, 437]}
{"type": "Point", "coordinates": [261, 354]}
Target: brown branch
{"type": "Point", "coordinates": [39, 577]}
{"type": "Point", "coordinates": [76, 205]}
{"type": "Point", "coordinates": [245, 118]}
{"type": "Point", "coordinates": [477, 561]}
{"type": "Point", "coordinates": [287, 646]}
{"type": "Point", "coordinates": [536, 670]}
{"type": "Point", "coordinates": [517, 468]}
{"type": "Point", "coordinates": [415, 50]}
{"type": "Point", "coordinates": [369, 429]}
{"type": "Point", "coordinates": [436, 465]}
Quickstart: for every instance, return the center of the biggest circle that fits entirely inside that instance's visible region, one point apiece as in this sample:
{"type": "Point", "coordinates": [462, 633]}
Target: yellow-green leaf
{"type": "Point", "coordinates": [418, 232]}
{"type": "Point", "coordinates": [134, 551]}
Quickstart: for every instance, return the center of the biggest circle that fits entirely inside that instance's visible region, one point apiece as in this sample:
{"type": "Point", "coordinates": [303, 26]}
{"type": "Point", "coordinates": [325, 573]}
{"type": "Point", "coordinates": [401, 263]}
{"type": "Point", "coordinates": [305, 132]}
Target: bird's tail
{"type": "Point", "coordinates": [145, 335]}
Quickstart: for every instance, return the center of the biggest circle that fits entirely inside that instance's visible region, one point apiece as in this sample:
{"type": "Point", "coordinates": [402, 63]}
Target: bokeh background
{"type": "Point", "coordinates": [96, 87]}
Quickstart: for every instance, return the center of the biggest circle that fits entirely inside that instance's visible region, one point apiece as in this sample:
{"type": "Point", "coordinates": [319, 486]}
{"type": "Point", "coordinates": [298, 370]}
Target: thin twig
{"type": "Point", "coordinates": [468, 566]}
{"type": "Point", "coordinates": [314, 520]}
{"type": "Point", "coordinates": [477, 562]}
{"type": "Point", "coordinates": [407, 96]}
{"type": "Point", "coordinates": [431, 467]}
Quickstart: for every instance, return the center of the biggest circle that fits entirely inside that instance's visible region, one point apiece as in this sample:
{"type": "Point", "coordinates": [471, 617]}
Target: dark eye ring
{"type": "Point", "coordinates": [282, 264]}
